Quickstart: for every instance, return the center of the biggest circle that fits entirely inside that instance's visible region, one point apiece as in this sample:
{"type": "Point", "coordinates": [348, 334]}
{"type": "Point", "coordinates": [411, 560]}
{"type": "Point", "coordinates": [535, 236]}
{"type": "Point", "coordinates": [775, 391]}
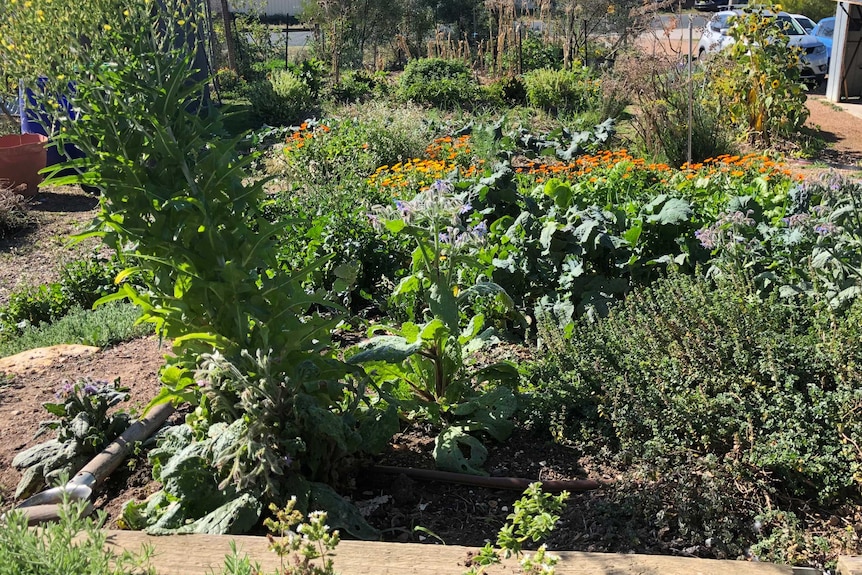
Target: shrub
{"type": "Point", "coordinates": [359, 85]}
{"type": "Point", "coordinates": [687, 368]}
{"type": "Point", "coordinates": [280, 100]}
{"type": "Point", "coordinates": [227, 79]}
{"type": "Point", "coordinates": [562, 90]}
{"type": "Point", "coordinates": [81, 283]}
{"type": "Point", "coordinates": [106, 325]}
{"type": "Point", "coordinates": [438, 82]}
{"type": "Point", "coordinates": [661, 93]}
{"type": "Point", "coordinates": [508, 90]}
{"type": "Point", "coordinates": [14, 214]}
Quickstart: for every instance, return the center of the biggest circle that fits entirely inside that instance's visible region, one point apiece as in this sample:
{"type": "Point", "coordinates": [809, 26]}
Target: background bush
{"type": "Point", "coordinates": [659, 91]}
{"type": "Point", "coordinates": [438, 82]}
{"type": "Point", "coordinates": [106, 325]}
{"type": "Point", "coordinates": [81, 283]}
{"type": "Point", "coordinates": [562, 90]}
{"type": "Point", "coordinates": [280, 100]}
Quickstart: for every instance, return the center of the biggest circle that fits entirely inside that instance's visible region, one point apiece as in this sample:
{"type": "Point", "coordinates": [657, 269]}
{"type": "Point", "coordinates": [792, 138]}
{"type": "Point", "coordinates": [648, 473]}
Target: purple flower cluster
{"type": "Point", "coordinates": [725, 230]}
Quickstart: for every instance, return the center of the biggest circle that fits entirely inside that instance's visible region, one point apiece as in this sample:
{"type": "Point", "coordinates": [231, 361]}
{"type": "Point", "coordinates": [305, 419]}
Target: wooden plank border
{"type": "Point", "coordinates": [204, 554]}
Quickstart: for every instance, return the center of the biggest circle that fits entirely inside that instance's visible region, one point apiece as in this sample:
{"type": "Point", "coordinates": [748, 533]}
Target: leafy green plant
{"type": "Point", "coordinates": [73, 544]}
{"type": "Point", "coordinates": [560, 253]}
{"type": "Point", "coordinates": [562, 90]}
{"type": "Point", "coordinates": [179, 206]}
{"type": "Point", "coordinates": [438, 82]}
{"type": "Point", "coordinates": [815, 249]}
{"type": "Point", "coordinates": [424, 363]}
{"type": "Point", "coordinates": [84, 427]}
{"type": "Point", "coordinates": [533, 518]}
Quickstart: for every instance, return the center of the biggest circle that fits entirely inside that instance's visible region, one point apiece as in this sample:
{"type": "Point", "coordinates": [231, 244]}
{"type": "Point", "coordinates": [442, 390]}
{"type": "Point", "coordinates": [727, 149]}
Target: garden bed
{"type": "Point", "coordinates": [615, 518]}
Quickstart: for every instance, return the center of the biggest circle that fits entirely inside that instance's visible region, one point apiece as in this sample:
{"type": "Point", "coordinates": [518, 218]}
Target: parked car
{"type": "Point", "coordinates": [716, 5]}
{"type": "Point", "coordinates": [804, 21]}
{"type": "Point", "coordinates": [813, 63]}
{"type": "Point", "coordinates": [823, 31]}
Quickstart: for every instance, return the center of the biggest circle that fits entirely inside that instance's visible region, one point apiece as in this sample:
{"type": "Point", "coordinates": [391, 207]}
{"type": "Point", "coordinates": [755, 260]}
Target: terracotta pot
{"type": "Point", "coordinates": [21, 158]}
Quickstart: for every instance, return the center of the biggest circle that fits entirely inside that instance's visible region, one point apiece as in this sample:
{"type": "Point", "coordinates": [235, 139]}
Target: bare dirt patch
{"type": "Point", "coordinates": [36, 256]}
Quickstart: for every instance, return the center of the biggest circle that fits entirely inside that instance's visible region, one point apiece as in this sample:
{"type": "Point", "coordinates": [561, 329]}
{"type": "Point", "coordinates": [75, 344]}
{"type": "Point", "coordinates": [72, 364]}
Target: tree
{"type": "Point", "coordinates": [227, 19]}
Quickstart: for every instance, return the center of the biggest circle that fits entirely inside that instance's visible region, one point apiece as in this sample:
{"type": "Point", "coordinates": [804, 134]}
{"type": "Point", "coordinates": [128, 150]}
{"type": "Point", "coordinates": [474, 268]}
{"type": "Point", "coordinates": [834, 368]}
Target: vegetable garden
{"type": "Point", "coordinates": [338, 258]}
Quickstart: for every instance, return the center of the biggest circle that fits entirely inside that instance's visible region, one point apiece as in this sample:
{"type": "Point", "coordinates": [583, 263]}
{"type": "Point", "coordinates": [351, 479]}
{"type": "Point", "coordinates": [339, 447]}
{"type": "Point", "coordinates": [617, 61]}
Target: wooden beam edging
{"type": "Point", "coordinates": [203, 554]}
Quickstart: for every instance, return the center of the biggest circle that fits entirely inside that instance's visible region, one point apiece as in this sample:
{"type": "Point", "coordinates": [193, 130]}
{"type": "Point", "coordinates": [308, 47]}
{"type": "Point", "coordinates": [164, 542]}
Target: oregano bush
{"type": "Point", "coordinates": [688, 370]}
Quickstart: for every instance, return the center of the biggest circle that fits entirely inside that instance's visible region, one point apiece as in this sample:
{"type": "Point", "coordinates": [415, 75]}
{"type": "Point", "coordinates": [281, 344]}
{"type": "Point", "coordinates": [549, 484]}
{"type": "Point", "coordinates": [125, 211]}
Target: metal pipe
{"type": "Point", "coordinates": [44, 506]}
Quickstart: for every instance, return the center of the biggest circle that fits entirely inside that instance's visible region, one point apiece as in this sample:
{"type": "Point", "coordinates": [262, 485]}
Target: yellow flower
{"type": "Point", "coordinates": [775, 84]}
{"type": "Point", "coordinates": [181, 22]}
{"type": "Point", "coordinates": [107, 27]}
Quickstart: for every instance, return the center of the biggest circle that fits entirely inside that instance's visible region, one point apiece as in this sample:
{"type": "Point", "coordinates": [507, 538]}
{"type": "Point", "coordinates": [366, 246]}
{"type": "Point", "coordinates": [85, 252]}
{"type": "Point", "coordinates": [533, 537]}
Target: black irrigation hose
{"type": "Point", "coordinates": [514, 483]}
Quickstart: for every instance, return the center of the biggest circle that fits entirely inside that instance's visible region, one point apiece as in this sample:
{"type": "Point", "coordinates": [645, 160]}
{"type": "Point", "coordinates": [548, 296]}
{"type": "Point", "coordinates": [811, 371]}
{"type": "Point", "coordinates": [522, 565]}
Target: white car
{"type": "Point", "coordinates": [804, 21]}
{"type": "Point", "coordinates": [813, 63]}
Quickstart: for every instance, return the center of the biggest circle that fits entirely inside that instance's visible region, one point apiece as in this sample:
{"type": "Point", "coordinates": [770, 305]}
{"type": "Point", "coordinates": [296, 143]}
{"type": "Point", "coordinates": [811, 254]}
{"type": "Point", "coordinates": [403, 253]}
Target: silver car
{"type": "Point", "coordinates": [813, 63]}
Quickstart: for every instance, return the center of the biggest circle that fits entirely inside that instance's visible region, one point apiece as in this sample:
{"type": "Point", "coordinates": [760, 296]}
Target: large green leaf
{"type": "Point", "coordinates": [340, 513]}
{"type": "Point", "coordinates": [387, 348]}
{"type": "Point", "coordinates": [673, 211]}
{"type": "Point", "coordinates": [449, 450]}
{"type": "Point", "coordinates": [490, 412]}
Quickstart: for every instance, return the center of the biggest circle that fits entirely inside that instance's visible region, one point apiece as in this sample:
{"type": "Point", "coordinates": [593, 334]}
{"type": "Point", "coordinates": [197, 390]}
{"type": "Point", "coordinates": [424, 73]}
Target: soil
{"type": "Point", "coordinates": [595, 521]}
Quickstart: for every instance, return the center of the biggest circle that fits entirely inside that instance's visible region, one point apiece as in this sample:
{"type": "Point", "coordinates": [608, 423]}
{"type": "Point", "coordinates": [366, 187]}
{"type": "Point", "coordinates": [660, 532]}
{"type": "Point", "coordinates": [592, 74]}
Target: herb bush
{"type": "Point", "coordinates": [569, 91]}
{"type": "Point", "coordinates": [281, 99]}
{"type": "Point", "coordinates": [102, 327]}
{"type": "Point", "coordinates": [438, 82]}
{"type": "Point", "coordinates": [56, 549]}
{"type": "Point", "coordinates": [690, 369]}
